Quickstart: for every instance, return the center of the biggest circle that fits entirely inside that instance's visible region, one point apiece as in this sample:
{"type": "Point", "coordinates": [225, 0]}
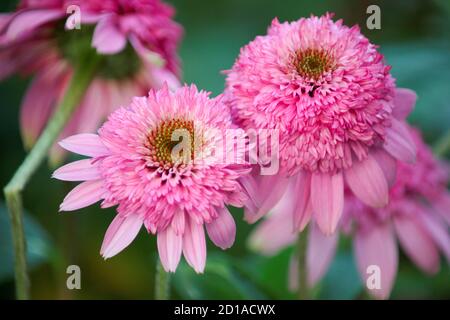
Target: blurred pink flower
{"type": "Point", "coordinates": [340, 117]}
{"type": "Point", "coordinates": [418, 215]}
{"type": "Point", "coordinates": [137, 38]}
{"type": "Point", "coordinates": [132, 167]}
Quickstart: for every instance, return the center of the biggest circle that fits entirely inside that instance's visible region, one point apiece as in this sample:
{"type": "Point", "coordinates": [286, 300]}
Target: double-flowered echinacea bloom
{"type": "Point", "coordinates": [174, 192]}
{"type": "Point", "coordinates": [340, 118]}
{"type": "Point", "coordinates": [417, 216]}
{"type": "Point", "coordinates": [134, 42]}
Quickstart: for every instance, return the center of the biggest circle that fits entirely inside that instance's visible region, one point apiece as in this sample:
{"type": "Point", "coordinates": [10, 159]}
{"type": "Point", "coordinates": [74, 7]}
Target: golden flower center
{"type": "Point", "coordinates": [172, 142]}
{"type": "Point", "coordinates": [313, 63]}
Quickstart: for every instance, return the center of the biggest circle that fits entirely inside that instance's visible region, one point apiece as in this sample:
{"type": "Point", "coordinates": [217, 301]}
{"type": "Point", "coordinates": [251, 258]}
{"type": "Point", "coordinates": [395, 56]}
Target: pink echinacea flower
{"type": "Point", "coordinates": [340, 118]}
{"type": "Point", "coordinates": [136, 39]}
{"type": "Point", "coordinates": [132, 166]}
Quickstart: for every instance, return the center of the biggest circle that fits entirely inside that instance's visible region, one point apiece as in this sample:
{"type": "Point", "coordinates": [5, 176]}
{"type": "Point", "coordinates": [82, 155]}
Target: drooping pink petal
{"type": "Point", "coordinates": [39, 103]}
{"type": "Point", "coordinates": [161, 76]}
{"type": "Point", "coordinates": [437, 229]}
{"type": "Point", "coordinates": [275, 232]}
{"type": "Point", "coordinates": [81, 170]}
{"type": "Point", "coordinates": [83, 195]}
{"type": "Point", "coordinates": [170, 245]}
{"type": "Point", "coordinates": [388, 164]}
{"type": "Point", "coordinates": [302, 210]}
{"type": "Point", "coordinates": [404, 101]}
{"type": "Point", "coordinates": [376, 250]}
{"type": "Point", "coordinates": [327, 198]}
{"type": "Point", "coordinates": [442, 206]}
{"type": "Point", "coordinates": [399, 142]}
{"type": "Point", "coordinates": [222, 231]}
{"type": "Point", "coordinates": [248, 183]}
{"type": "Point", "coordinates": [5, 18]}
{"type": "Point", "coordinates": [417, 243]}
{"type": "Point", "coordinates": [194, 245]}
{"type": "Point", "coordinates": [178, 222]}
{"type": "Point", "coordinates": [87, 118]}
{"type": "Point", "coordinates": [367, 181]}
{"type": "Point", "coordinates": [152, 59]}
{"type": "Point", "coordinates": [86, 144]}
{"type": "Point", "coordinates": [121, 232]}
{"type": "Point", "coordinates": [107, 38]}
{"type": "Point", "coordinates": [269, 191]}
{"type": "Point", "coordinates": [30, 20]}
{"type": "Point", "coordinates": [319, 254]}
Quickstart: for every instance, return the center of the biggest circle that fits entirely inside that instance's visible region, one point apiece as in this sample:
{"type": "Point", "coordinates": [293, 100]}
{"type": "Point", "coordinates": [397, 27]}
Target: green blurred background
{"type": "Point", "coordinates": [414, 37]}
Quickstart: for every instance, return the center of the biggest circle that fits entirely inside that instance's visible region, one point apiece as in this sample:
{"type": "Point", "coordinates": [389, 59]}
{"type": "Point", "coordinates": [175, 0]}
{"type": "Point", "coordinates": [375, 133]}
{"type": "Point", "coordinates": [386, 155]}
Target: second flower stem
{"type": "Point", "coordinates": [162, 283]}
{"type": "Point", "coordinates": [303, 290]}
{"type": "Point", "coordinates": [79, 83]}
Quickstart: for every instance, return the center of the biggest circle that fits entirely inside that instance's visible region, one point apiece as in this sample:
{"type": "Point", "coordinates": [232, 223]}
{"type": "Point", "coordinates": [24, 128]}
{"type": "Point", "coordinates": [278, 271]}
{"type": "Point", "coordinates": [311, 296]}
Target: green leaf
{"type": "Point", "coordinates": [38, 244]}
{"type": "Point", "coordinates": [269, 273]}
{"type": "Point", "coordinates": [425, 68]}
{"type": "Point", "coordinates": [342, 280]}
{"type": "Point", "coordinates": [219, 281]}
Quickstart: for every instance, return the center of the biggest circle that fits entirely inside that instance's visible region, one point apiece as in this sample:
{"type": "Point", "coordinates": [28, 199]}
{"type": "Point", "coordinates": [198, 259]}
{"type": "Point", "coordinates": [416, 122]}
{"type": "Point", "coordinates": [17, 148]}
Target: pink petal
{"type": "Point", "coordinates": [367, 181]}
{"type": "Point", "coordinates": [275, 232]}
{"type": "Point", "coordinates": [404, 101]}
{"type": "Point", "coordinates": [161, 76]}
{"type": "Point", "coordinates": [302, 210]}
{"type": "Point", "coordinates": [377, 247]}
{"type": "Point", "coordinates": [86, 144]}
{"type": "Point", "coordinates": [83, 195]}
{"type": "Point", "coordinates": [107, 38]}
{"type": "Point", "coordinates": [88, 119]}
{"type": "Point", "coordinates": [178, 222]}
{"type": "Point", "coordinates": [417, 243]}
{"type": "Point", "coordinates": [170, 245]}
{"type": "Point", "coordinates": [269, 191]}
{"type": "Point", "coordinates": [5, 18]}
{"type": "Point", "coordinates": [30, 20]}
{"type": "Point", "coordinates": [153, 60]}
{"type": "Point", "coordinates": [81, 170]}
{"type": "Point", "coordinates": [442, 206]}
{"type": "Point", "coordinates": [222, 231]}
{"type": "Point", "coordinates": [121, 232]}
{"type": "Point", "coordinates": [327, 198]}
{"type": "Point", "coordinates": [38, 104]}
{"type": "Point", "coordinates": [319, 254]}
{"type": "Point", "coordinates": [437, 229]}
{"type": "Point", "coordinates": [194, 245]}
{"type": "Point", "coordinates": [399, 142]}
{"type": "Point", "coordinates": [248, 183]}
{"type": "Point", "coordinates": [388, 164]}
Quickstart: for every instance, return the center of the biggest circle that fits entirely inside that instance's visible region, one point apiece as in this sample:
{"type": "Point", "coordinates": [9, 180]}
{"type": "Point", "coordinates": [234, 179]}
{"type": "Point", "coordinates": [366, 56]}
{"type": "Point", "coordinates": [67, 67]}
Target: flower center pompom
{"type": "Point", "coordinates": [313, 63]}
{"type": "Point", "coordinates": [168, 135]}
{"type": "Point", "coordinates": [75, 46]}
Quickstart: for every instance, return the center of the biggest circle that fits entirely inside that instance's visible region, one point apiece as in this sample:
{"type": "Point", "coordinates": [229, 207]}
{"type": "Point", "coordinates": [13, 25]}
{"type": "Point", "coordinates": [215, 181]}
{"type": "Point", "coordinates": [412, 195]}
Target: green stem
{"type": "Point", "coordinates": [443, 145]}
{"type": "Point", "coordinates": [80, 81]}
{"type": "Point", "coordinates": [303, 290]}
{"type": "Point", "coordinates": [162, 283]}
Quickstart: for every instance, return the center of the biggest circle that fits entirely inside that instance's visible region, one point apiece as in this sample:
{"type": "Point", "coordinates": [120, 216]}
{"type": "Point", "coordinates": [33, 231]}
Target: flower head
{"type": "Point", "coordinates": [136, 40]}
{"type": "Point", "coordinates": [330, 94]}
{"type": "Point", "coordinates": [417, 215]}
{"type": "Point", "coordinates": [134, 166]}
